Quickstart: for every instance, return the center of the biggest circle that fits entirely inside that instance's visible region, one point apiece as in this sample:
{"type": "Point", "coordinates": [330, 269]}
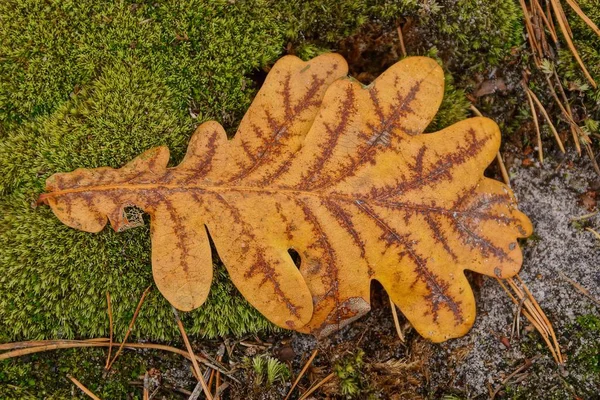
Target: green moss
{"type": "Point", "coordinates": [349, 371]}
{"type": "Point", "coordinates": [45, 375]}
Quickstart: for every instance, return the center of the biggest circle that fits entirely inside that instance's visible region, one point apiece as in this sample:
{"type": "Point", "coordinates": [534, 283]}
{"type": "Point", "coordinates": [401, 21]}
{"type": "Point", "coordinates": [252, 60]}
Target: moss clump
{"type": "Point", "coordinates": [45, 375]}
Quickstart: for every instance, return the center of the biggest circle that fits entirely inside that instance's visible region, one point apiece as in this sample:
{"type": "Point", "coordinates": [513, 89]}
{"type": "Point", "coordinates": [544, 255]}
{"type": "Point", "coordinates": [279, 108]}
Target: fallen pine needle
{"type": "Point", "coordinates": [110, 328]}
{"type": "Point", "coordinates": [533, 312]}
{"type": "Point", "coordinates": [306, 365]}
{"type": "Point", "coordinates": [318, 385]}
{"type": "Point", "coordinates": [129, 329]}
{"type": "Point", "coordinates": [21, 349]}
{"type": "Point", "coordinates": [537, 126]}
{"type": "Point", "coordinates": [584, 17]}
{"type": "Point", "coordinates": [396, 321]}
{"type": "Point", "coordinates": [583, 217]}
{"type": "Point", "coordinates": [594, 232]}
{"type": "Point", "coordinates": [207, 392]}
{"type": "Point", "coordinates": [83, 388]}
{"type": "Point", "coordinates": [580, 288]}
{"type": "Point", "coordinates": [547, 117]}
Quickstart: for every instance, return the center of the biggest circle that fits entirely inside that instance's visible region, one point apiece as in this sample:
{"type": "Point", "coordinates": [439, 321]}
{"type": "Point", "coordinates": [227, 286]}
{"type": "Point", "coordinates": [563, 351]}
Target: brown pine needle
{"type": "Point", "coordinates": [130, 328]}
{"type": "Point", "coordinates": [401, 40]}
{"type": "Point", "coordinates": [19, 349]}
{"type": "Point", "coordinates": [532, 311]}
{"type": "Point", "coordinates": [146, 386]}
{"type": "Point", "coordinates": [546, 21]}
{"type": "Point", "coordinates": [547, 117]}
{"type": "Point", "coordinates": [566, 30]}
{"type": "Point", "coordinates": [537, 126]}
{"type": "Point", "coordinates": [396, 321]}
{"type": "Point", "coordinates": [200, 378]}
{"type": "Point", "coordinates": [503, 169]}
{"type": "Point", "coordinates": [110, 328]}
{"type": "Point", "coordinates": [594, 232]}
{"type": "Point", "coordinates": [318, 385]}
{"type": "Point", "coordinates": [83, 388]}
{"type": "Point", "coordinates": [584, 17]}
{"type": "Point", "coordinates": [580, 288]}
{"type": "Point", "coordinates": [306, 365]}
{"type": "Point", "coordinates": [535, 50]}
{"type": "Point", "coordinates": [498, 156]}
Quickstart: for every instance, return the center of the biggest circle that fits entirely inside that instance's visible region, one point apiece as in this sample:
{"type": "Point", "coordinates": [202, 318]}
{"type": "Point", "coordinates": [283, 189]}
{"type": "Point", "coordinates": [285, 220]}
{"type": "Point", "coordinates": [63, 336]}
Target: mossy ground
{"type": "Point", "coordinates": [94, 83]}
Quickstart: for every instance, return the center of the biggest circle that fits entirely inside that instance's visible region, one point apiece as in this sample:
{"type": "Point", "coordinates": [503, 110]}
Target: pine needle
{"type": "Point", "coordinates": [306, 365]}
{"type": "Point", "coordinates": [318, 385]}
{"type": "Point", "coordinates": [537, 126]}
{"type": "Point", "coordinates": [396, 321]}
{"type": "Point", "coordinates": [546, 116]}
{"type": "Point", "coordinates": [566, 30]}
{"type": "Point", "coordinates": [110, 324]}
{"type": "Point", "coordinates": [584, 17]}
{"type": "Point", "coordinates": [199, 376]}
{"type": "Point", "coordinates": [83, 388]}
{"type": "Point", "coordinates": [130, 328]}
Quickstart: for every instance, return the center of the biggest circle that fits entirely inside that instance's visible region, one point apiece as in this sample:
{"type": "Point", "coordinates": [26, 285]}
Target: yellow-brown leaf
{"type": "Point", "coordinates": [341, 174]}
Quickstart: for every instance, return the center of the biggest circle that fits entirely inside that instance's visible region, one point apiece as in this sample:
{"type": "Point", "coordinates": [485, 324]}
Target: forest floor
{"type": "Point", "coordinates": [499, 358]}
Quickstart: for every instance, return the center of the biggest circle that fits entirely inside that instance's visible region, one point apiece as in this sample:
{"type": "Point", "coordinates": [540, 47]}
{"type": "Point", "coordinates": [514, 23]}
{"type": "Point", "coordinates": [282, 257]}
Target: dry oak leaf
{"type": "Point", "coordinates": [338, 172]}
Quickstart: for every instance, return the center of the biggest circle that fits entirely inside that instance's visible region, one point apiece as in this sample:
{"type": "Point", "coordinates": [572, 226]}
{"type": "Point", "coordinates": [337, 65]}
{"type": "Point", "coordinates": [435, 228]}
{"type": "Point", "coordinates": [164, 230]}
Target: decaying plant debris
{"type": "Point", "coordinates": [341, 174]}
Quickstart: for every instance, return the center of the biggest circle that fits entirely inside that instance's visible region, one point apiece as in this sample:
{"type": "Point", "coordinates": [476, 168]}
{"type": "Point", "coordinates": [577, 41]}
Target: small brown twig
{"type": "Point", "coordinates": [306, 365]}
{"type": "Point", "coordinates": [130, 328]}
{"type": "Point", "coordinates": [318, 385]}
{"type": "Point", "coordinates": [83, 388]}
{"type": "Point", "coordinates": [110, 328]}
{"type": "Point", "coordinates": [207, 392]}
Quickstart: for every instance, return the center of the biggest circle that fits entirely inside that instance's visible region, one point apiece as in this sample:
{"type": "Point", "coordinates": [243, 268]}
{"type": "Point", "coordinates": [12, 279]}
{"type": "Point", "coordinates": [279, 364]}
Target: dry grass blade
{"type": "Point", "coordinates": [533, 312]}
{"type": "Point", "coordinates": [580, 288]}
{"type": "Point", "coordinates": [566, 30]}
{"type": "Point", "coordinates": [537, 126]}
{"type": "Point", "coordinates": [546, 116]}
{"type": "Point", "coordinates": [110, 328]}
{"type": "Point", "coordinates": [584, 17]}
{"type": "Point", "coordinates": [207, 392]}
{"type": "Point", "coordinates": [566, 111]}
{"type": "Point", "coordinates": [130, 328]}
{"type": "Point", "coordinates": [396, 321]}
{"type": "Point", "coordinates": [83, 388]}
{"type": "Point", "coordinates": [306, 365]}
{"type": "Point", "coordinates": [318, 385]}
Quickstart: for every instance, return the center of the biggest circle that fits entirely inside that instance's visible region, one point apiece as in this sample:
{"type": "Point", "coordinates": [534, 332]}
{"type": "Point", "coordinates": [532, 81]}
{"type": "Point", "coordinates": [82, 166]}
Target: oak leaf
{"type": "Point", "coordinates": [339, 172]}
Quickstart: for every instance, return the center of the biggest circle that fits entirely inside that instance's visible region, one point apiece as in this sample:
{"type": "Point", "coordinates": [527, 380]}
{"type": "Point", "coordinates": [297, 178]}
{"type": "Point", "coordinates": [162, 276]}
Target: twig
{"type": "Point", "coordinates": [135, 314]}
{"type": "Point", "coordinates": [306, 365]}
{"type": "Point", "coordinates": [535, 50]}
{"type": "Point", "coordinates": [537, 126]}
{"type": "Point", "coordinates": [580, 288]}
{"type": "Point", "coordinates": [396, 321]}
{"type": "Point", "coordinates": [566, 30]}
{"type": "Point", "coordinates": [191, 353]}
{"type": "Point", "coordinates": [197, 390]}
{"type": "Point", "coordinates": [318, 385]}
{"type": "Point", "coordinates": [110, 328]}
{"type": "Point", "coordinates": [83, 388]}
{"type": "Point", "coordinates": [546, 21]}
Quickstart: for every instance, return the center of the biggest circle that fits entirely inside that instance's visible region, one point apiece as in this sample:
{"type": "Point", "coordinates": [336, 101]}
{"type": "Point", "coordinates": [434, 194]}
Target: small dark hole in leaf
{"type": "Point", "coordinates": [295, 257]}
